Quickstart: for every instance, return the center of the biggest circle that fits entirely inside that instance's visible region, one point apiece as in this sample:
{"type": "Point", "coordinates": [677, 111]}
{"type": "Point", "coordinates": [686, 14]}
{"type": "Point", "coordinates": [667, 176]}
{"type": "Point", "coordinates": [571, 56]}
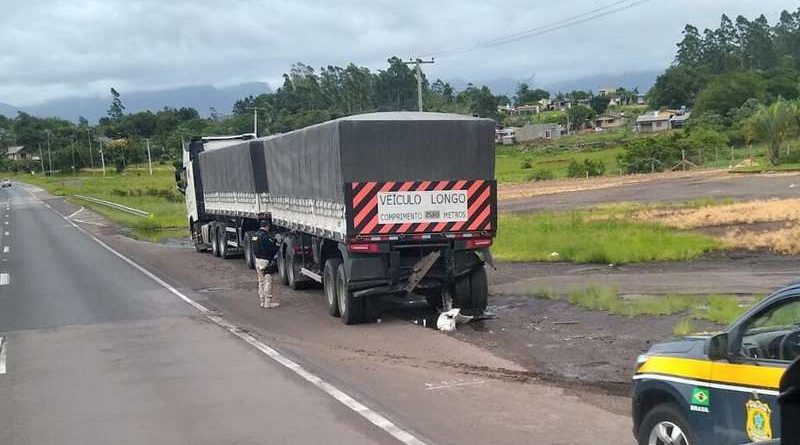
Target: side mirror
{"type": "Point", "coordinates": [789, 401]}
{"type": "Point", "coordinates": [718, 346]}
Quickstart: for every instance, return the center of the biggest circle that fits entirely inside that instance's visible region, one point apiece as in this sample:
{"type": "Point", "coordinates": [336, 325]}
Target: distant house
{"type": "Point", "coordinates": [527, 109]}
{"type": "Point", "coordinates": [679, 120]}
{"type": "Point", "coordinates": [641, 99]}
{"type": "Point", "coordinates": [535, 132]}
{"type": "Point", "coordinates": [505, 136]}
{"type": "Point", "coordinates": [17, 153]}
{"type": "Point", "coordinates": [609, 121]}
{"type": "Point", "coordinates": [559, 105]}
{"type": "Point", "coordinates": [654, 121]}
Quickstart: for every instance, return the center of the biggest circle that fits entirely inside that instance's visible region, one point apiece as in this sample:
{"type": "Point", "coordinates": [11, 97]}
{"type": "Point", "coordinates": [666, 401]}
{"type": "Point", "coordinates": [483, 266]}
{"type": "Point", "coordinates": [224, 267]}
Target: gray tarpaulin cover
{"type": "Point", "coordinates": [236, 168]}
{"type": "Point", "coordinates": [316, 162]}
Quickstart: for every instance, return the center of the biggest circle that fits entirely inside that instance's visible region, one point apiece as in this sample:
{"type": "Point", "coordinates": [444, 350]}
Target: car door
{"type": "Point", "coordinates": [743, 389]}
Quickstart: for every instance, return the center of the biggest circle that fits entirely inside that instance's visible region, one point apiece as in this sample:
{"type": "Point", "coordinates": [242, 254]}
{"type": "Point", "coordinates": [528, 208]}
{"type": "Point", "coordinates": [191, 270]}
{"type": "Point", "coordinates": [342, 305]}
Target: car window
{"type": "Point", "coordinates": [775, 334]}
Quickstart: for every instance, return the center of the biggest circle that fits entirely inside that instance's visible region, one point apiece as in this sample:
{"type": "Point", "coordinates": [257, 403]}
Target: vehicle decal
{"type": "Point", "coordinates": [759, 425]}
{"type": "Point", "coordinates": [729, 374]}
{"type": "Point", "coordinates": [706, 383]}
{"type": "Point", "coordinates": [701, 399]}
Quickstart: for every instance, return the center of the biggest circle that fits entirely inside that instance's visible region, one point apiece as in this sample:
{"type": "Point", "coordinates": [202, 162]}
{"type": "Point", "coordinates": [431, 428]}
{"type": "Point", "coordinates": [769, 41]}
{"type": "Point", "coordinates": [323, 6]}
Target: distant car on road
{"type": "Point", "coordinates": [6, 183]}
{"type": "Point", "coordinates": [719, 389]}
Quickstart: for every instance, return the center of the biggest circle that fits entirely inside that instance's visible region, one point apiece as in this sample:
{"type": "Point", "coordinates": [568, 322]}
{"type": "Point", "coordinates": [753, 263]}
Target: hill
{"type": "Point", "coordinates": [201, 98]}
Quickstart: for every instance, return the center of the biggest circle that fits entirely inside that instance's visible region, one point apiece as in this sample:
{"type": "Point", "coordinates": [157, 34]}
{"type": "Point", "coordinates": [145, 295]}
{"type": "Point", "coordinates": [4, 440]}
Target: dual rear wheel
{"type": "Point", "coordinates": [339, 296]}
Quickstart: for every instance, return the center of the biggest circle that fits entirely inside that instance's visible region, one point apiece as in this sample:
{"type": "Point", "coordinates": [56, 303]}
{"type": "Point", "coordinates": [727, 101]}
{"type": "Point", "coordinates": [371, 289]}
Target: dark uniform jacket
{"type": "Point", "coordinates": [264, 247]}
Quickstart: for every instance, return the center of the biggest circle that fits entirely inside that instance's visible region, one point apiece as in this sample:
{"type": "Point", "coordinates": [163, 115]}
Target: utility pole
{"type": "Point", "coordinates": [417, 63]}
{"type": "Point", "coordinates": [41, 158]}
{"type": "Point", "coordinates": [255, 118]}
{"type": "Point", "coordinates": [102, 158]}
{"type": "Point", "coordinates": [149, 161]}
{"type": "Point", "coordinates": [89, 138]}
{"type": "Point", "coordinates": [49, 156]}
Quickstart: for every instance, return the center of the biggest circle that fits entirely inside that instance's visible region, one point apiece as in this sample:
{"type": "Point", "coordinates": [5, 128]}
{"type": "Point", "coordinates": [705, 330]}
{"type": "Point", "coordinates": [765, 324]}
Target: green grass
{"type": "Point", "coordinates": [509, 162]}
{"type": "Point", "coordinates": [576, 237]}
{"type": "Point", "coordinates": [719, 309]}
{"type": "Point", "coordinates": [765, 167]}
{"type": "Point", "coordinates": [134, 188]}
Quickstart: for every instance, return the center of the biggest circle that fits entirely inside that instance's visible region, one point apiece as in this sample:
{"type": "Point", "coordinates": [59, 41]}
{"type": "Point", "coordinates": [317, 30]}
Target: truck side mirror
{"type": "Point", "coordinates": [718, 346]}
{"type": "Point", "coordinates": [789, 401]}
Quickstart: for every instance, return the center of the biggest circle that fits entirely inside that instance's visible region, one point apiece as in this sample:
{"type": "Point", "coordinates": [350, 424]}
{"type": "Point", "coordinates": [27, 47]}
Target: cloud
{"type": "Point", "coordinates": [52, 48]}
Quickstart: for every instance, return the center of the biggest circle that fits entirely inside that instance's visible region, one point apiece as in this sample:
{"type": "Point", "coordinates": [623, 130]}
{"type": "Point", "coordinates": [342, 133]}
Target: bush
{"type": "Point", "coordinates": [541, 175]}
{"type": "Point", "coordinates": [645, 155]}
{"type": "Point", "coordinates": [586, 168]}
{"type": "Point", "coordinates": [526, 164]}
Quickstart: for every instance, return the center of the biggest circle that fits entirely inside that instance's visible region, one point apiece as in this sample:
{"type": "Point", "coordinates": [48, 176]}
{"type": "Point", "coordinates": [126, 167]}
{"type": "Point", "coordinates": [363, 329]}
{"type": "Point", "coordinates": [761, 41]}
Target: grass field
{"type": "Point", "coordinates": [509, 162]}
{"type": "Point", "coordinates": [580, 238]}
{"type": "Point", "coordinates": [134, 188]}
{"type": "Point", "coordinates": [719, 309]}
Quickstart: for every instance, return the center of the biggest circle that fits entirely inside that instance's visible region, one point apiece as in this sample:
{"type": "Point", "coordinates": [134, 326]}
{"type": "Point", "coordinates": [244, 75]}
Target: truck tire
{"type": "Point", "coordinates": [471, 293]}
{"type": "Point", "coordinates": [329, 285]}
{"type": "Point", "coordinates": [282, 265]}
{"type": "Point", "coordinates": [669, 418]}
{"type": "Point", "coordinates": [479, 290]}
{"type": "Point", "coordinates": [351, 309]}
{"type": "Point", "coordinates": [222, 241]}
{"type": "Point", "coordinates": [247, 246]}
{"type": "Point", "coordinates": [214, 235]}
{"type": "Point", "coordinates": [293, 278]}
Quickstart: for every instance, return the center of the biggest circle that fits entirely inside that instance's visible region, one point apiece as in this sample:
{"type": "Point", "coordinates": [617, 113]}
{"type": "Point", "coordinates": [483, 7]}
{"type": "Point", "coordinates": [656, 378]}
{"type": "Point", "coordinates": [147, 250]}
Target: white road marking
{"type": "Point", "coordinates": [373, 417]}
{"type": "Point", "coordinates": [89, 222]}
{"type": "Point", "coordinates": [4, 279]}
{"type": "Point", "coordinates": [75, 212]}
{"type": "Point", "coordinates": [6, 249]}
{"type": "Point", "coordinates": [3, 342]}
{"type": "Point", "coordinates": [6, 223]}
{"type": "Point", "coordinates": [6, 233]}
{"type": "Point", "coordinates": [447, 384]}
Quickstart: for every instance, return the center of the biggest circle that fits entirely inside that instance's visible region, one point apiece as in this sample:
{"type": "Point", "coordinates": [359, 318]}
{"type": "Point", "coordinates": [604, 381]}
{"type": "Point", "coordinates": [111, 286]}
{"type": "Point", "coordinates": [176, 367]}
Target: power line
{"type": "Point", "coordinates": [584, 17]}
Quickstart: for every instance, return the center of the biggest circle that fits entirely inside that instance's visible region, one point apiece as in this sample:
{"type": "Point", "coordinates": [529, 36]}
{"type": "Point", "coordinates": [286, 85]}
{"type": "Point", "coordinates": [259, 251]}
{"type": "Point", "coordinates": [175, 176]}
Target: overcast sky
{"type": "Point", "coordinates": [56, 48]}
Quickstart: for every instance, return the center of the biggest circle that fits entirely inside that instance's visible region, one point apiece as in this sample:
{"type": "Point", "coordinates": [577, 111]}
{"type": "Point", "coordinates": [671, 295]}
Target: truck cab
{"type": "Point", "coordinates": [719, 389]}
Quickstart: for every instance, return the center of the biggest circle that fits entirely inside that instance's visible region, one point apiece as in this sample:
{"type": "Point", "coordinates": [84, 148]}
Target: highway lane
{"type": "Point", "coordinates": [97, 352]}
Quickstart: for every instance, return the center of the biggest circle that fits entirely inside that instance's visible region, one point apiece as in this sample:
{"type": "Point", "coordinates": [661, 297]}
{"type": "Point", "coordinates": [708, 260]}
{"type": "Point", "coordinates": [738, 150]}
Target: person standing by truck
{"type": "Point", "coordinates": [264, 249]}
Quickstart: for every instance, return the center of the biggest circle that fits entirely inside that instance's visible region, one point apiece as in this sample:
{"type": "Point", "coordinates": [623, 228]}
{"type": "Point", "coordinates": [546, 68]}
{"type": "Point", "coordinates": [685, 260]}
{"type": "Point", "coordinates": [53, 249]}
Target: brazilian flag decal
{"type": "Point", "coordinates": [700, 397]}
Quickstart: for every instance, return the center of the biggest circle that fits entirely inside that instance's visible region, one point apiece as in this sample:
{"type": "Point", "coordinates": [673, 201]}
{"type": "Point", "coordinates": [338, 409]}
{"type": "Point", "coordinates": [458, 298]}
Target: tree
{"type": "Point", "coordinates": [117, 109]}
{"type": "Point", "coordinates": [729, 91]}
{"type": "Point", "coordinates": [599, 104]}
{"type": "Point", "coordinates": [678, 86]}
{"type": "Point", "coordinates": [773, 125]}
{"type": "Point", "coordinates": [527, 96]}
{"type": "Point", "coordinates": [690, 49]}
{"type": "Point", "coordinates": [484, 104]}
{"type": "Point", "coordinates": [579, 115]}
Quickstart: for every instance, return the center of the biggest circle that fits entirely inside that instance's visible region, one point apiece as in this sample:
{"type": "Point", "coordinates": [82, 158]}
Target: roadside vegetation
{"type": "Point", "coordinates": [715, 308]}
{"type": "Point", "coordinates": [582, 238]}
{"type": "Point", "coordinates": [134, 188]}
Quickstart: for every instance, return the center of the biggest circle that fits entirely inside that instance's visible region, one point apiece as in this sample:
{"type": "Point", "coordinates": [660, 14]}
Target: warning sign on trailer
{"type": "Point", "coordinates": [422, 207]}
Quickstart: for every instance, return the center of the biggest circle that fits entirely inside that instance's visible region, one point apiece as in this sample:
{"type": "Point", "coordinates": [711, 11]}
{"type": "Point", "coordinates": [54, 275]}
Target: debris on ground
{"type": "Point", "coordinates": [448, 320]}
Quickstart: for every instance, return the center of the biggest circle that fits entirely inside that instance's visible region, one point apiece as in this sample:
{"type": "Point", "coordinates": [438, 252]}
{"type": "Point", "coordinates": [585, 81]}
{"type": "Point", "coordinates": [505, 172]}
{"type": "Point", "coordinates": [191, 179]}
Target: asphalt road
{"type": "Point", "coordinates": [713, 185]}
{"type": "Point", "coordinates": [153, 370]}
{"type": "Point", "coordinates": [98, 353]}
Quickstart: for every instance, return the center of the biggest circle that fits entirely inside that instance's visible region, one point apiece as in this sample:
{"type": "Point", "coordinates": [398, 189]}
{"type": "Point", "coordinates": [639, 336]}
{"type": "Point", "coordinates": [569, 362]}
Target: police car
{"type": "Point", "coordinates": [720, 389]}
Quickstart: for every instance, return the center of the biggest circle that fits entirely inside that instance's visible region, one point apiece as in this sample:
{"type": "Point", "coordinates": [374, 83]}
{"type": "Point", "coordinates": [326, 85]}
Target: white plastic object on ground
{"type": "Point", "coordinates": [448, 320]}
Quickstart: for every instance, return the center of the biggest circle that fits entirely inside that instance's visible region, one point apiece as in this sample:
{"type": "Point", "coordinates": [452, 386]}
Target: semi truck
{"type": "Point", "coordinates": [395, 207]}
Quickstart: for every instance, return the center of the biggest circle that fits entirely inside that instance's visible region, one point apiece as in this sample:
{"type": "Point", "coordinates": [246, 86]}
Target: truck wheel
{"type": "Point", "coordinates": [665, 424]}
{"type": "Point", "coordinates": [249, 258]}
{"type": "Point", "coordinates": [479, 290]}
{"type": "Point", "coordinates": [214, 235]}
{"type": "Point", "coordinates": [282, 266]}
{"type": "Point", "coordinates": [295, 282]}
{"type": "Point", "coordinates": [351, 309]}
{"type": "Point", "coordinates": [329, 285]}
{"type": "Point", "coordinates": [222, 241]}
